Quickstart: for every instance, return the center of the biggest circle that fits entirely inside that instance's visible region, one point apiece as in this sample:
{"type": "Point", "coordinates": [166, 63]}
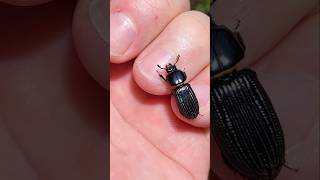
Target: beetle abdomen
{"type": "Point", "coordinates": [186, 101]}
{"type": "Point", "coordinates": [245, 125]}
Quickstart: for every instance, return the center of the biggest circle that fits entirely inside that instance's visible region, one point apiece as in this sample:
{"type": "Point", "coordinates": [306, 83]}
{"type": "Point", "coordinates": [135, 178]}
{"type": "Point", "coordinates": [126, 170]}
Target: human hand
{"type": "Point", "coordinates": [149, 139]}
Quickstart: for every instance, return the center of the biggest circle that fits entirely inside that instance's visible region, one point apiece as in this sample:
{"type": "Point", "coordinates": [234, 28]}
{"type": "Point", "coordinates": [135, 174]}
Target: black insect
{"type": "Point", "coordinates": [244, 123]}
{"type": "Point", "coordinates": [186, 99]}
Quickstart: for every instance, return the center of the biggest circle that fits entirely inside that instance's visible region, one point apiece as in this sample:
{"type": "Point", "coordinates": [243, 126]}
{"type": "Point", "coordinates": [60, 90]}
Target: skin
{"type": "Point", "coordinates": [165, 145]}
{"type": "Point", "coordinates": [36, 136]}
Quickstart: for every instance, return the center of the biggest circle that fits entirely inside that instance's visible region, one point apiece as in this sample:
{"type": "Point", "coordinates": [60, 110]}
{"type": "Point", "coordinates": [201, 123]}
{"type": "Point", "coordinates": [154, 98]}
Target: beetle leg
{"type": "Point", "coordinates": [160, 67]}
{"type": "Point", "coordinates": [290, 168]}
{"type": "Point", "coordinates": [184, 72]}
{"type": "Point", "coordinates": [162, 76]}
{"type": "Point", "coordinates": [237, 25]}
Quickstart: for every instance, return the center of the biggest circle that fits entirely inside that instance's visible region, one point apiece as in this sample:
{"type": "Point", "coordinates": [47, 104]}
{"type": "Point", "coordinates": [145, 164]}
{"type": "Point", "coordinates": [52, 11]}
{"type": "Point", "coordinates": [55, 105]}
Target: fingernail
{"type": "Point", "coordinates": [122, 33]}
{"type": "Point", "coordinates": [98, 17]}
{"type": "Point", "coordinates": [148, 64]}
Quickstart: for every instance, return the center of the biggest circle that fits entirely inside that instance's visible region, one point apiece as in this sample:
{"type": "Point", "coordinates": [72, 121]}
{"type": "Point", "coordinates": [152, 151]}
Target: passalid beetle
{"type": "Point", "coordinates": [185, 98]}
{"type": "Point", "coordinates": [244, 123]}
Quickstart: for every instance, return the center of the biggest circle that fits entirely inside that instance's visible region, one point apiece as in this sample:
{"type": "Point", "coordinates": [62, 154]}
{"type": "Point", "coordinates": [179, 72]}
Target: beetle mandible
{"type": "Point", "coordinates": [185, 97]}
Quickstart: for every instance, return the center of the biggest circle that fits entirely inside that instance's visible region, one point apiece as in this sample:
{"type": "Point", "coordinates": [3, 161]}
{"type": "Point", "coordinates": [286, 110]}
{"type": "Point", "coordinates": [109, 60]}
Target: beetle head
{"type": "Point", "coordinates": [170, 68]}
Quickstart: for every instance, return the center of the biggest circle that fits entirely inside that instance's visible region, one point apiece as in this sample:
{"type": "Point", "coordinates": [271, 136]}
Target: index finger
{"type": "Point", "coordinates": [135, 23]}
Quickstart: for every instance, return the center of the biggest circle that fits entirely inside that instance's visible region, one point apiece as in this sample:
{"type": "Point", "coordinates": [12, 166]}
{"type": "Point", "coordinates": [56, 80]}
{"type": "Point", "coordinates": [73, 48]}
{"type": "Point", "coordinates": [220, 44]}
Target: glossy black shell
{"type": "Point", "coordinates": [176, 77]}
{"type": "Point", "coordinates": [226, 49]}
{"type": "Point", "coordinates": [245, 126]}
{"type": "Point", "coordinates": [186, 101]}
{"type": "Point", "coordinates": [244, 123]}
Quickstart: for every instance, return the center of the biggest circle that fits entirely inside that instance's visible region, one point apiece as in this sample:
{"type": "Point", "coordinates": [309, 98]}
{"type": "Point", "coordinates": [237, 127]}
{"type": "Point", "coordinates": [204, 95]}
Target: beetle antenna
{"type": "Point", "coordinates": [237, 25]}
{"type": "Point", "coordinates": [177, 59]}
{"type": "Point", "coordinates": [290, 168]}
{"type": "Point", "coordinates": [160, 67]}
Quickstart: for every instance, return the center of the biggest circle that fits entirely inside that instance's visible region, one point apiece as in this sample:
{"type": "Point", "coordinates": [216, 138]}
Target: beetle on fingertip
{"type": "Point", "coordinates": [186, 99]}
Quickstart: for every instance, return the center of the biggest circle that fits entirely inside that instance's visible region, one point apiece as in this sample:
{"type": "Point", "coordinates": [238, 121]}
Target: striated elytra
{"type": "Point", "coordinates": [244, 122]}
{"type": "Point", "coordinates": [186, 100]}
{"type": "Point", "coordinates": [246, 126]}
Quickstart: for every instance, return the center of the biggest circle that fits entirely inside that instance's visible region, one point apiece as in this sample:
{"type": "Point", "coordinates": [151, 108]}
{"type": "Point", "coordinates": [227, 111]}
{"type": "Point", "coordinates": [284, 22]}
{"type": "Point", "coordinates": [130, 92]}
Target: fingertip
{"type": "Point", "coordinates": [134, 24]}
{"type": "Point", "coordinates": [191, 42]}
{"type": "Point", "coordinates": [90, 41]}
{"type": "Point", "coordinates": [123, 32]}
{"type": "Point", "coordinates": [148, 79]}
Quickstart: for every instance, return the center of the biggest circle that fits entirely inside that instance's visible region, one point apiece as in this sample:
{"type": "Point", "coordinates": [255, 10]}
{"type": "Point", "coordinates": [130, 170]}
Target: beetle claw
{"type": "Point", "coordinates": [160, 67]}
{"type": "Point", "coordinates": [161, 76]}
{"type": "Point", "coordinates": [290, 168]}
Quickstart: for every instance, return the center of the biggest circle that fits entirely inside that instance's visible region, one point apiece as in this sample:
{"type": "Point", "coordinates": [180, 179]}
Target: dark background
{"type": "Point", "coordinates": [52, 113]}
{"type": "Point", "coordinates": [282, 46]}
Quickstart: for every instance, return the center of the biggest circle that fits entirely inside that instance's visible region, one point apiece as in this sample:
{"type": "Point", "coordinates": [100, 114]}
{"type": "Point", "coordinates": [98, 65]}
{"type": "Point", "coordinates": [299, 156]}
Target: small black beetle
{"type": "Point", "coordinates": [186, 99]}
{"type": "Point", "coordinates": [244, 122]}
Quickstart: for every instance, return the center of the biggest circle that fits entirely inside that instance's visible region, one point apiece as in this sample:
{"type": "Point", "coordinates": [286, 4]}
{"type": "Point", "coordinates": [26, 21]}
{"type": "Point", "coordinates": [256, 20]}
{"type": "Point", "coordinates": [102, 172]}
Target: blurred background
{"type": "Point", "coordinates": [52, 112]}
{"type": "Point", "coordinates": [282, 46]}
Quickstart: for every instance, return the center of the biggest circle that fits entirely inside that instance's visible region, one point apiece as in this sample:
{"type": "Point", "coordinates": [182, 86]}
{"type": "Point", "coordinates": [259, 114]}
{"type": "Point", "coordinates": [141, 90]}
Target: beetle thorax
{"type": "Point", "coordinates": [176, 77]}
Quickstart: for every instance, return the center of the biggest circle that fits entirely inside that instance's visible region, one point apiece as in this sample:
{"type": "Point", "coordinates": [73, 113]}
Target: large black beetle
{"type": "Point", "coordinates": [243, 121]}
